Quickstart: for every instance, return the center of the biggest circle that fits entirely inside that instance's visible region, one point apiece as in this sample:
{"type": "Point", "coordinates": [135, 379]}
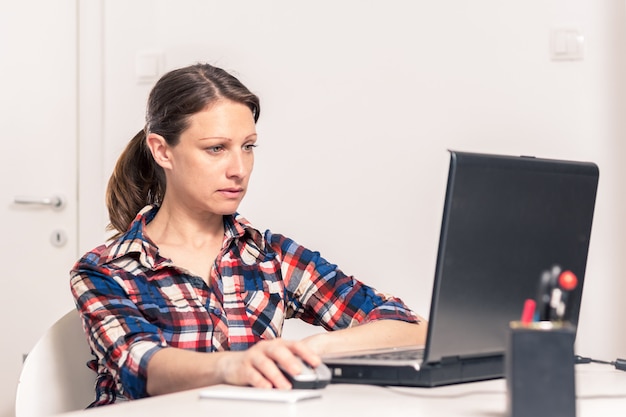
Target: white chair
{"type": "Point", "coordinates": [55, 377]}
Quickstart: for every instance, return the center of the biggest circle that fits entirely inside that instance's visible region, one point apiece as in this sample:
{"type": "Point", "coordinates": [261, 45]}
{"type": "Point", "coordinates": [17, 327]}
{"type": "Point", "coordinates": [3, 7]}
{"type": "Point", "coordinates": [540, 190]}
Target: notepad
{"type": "Point", "coordinates": [225, 392]}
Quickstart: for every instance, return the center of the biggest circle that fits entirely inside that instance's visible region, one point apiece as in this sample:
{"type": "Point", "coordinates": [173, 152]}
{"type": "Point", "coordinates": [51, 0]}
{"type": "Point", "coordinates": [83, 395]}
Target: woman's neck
{"type": "Point", "coordinates": [173, 225]}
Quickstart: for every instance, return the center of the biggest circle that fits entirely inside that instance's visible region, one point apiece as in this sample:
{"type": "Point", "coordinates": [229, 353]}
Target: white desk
{"type": "Point", "coordinates": [601, 392]}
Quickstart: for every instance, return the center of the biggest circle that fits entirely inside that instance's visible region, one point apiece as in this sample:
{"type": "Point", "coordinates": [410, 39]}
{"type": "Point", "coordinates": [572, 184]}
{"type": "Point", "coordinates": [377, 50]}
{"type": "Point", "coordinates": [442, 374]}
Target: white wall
{"type": "Point", "coordinates": [361, 99]}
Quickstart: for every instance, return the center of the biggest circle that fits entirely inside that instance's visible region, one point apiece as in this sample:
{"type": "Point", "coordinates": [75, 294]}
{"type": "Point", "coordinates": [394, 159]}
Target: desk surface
{"type": "Point", "coordinates": [600, 391]}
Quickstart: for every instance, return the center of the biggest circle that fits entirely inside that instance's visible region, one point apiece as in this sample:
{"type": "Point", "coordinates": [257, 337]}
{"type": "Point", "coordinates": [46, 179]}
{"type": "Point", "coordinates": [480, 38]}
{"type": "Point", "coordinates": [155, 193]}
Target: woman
{"type": "Point", "coordinates": [188, 293]}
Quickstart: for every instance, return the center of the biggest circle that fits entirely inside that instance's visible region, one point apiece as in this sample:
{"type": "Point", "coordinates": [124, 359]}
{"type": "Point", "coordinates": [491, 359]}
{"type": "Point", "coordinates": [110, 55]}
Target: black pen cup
{"type": "Point", "coordinates": [539, 370]}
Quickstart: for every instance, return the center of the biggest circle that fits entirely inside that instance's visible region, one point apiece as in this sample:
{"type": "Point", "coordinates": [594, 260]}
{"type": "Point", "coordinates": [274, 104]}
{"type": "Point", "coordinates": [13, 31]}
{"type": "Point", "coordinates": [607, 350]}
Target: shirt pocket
{"type": "Point", "coordinates": [263, 295]}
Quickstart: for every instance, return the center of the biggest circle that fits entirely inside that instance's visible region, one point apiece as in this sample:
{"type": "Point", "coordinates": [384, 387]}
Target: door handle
{"type": "Point", "coordinates": [56, 202]}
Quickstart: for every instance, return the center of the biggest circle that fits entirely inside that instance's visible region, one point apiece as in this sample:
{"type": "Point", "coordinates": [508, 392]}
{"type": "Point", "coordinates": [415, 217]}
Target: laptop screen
{"type": "Point", "coordinates": [506, 220]}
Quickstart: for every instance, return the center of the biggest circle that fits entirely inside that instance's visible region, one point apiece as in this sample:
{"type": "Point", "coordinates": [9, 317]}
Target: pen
{"type": "Point", "coordinates": [528, 312]}
{"type": "Point", "coordinates": [544, 294]}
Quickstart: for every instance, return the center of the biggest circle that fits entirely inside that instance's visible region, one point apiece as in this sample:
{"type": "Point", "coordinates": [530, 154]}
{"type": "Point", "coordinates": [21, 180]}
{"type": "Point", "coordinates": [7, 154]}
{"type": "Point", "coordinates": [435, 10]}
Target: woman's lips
{"type": "Point", "coordinates": [231, 192]}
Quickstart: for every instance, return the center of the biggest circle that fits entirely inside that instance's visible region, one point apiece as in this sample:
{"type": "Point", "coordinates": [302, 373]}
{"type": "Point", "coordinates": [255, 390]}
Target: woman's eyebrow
{"type": "Point", "coordinates": [250, 136]}
{"type": "Point", "coordinates": [215, 138]}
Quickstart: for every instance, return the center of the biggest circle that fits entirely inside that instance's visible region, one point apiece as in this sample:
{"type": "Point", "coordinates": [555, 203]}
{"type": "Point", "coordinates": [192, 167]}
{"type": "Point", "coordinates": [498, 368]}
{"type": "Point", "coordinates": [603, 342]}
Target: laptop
{"type": "Point", "coordinates": [506, 220]}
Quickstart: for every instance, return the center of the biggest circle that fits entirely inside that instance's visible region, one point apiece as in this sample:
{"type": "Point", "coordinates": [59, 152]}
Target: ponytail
{"type": "Point", "coordinates": [136, 182]}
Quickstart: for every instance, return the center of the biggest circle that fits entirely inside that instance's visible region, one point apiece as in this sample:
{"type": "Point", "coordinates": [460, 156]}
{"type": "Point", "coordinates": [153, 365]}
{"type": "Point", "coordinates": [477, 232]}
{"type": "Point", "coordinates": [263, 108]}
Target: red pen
{"type": "Point", "coordinates": [528, 312]}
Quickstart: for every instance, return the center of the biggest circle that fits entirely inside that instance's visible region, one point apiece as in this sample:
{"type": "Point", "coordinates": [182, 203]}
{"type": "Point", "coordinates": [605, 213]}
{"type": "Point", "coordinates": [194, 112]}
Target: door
{"type": "Point", "coordinates": [38, 121]}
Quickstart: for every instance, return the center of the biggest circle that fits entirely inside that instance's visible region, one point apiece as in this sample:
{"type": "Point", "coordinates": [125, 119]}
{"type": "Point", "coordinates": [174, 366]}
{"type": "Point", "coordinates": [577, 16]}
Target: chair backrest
{"type": "Point", "coordinates": [55, 377]}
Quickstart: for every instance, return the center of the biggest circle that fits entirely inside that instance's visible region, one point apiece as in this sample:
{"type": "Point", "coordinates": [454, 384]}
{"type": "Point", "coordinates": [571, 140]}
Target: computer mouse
{"type": "Point", "coordinates": [309, 377]}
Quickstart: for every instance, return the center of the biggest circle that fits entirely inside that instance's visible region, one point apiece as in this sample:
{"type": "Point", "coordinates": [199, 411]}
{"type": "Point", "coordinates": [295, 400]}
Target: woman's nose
{"type": "Point", "coordinates": [238, 164]}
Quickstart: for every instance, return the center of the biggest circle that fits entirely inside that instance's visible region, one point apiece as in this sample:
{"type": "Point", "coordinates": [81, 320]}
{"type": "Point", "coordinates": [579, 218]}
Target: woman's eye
{"type": "Point", "coordinates": [249, 147]}
{"type": "Point", "coordinates": [215, 149]}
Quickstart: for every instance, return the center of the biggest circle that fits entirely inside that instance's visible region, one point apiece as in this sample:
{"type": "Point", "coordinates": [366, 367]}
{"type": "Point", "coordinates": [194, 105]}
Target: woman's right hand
{"type": "Point", "coordinates": [259, 365]}
{"type": "Point", "coordinates": [172, 369]}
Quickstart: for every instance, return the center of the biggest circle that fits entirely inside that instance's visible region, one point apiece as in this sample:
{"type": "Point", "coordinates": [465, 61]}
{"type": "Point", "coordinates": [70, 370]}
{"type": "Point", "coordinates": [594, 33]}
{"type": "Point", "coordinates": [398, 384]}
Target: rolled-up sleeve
{"type": "Point", "coordinates": [119, 335]}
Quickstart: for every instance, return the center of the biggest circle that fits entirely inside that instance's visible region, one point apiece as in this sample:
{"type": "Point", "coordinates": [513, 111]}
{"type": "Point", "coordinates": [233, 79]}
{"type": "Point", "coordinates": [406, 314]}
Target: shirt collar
{"type": "Point", "coordinates": [136, 243]}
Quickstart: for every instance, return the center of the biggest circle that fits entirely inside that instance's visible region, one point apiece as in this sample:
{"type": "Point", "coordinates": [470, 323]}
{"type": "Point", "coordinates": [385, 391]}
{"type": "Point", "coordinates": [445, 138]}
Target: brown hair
{"type": "Point", "coordinates": [137, 180]}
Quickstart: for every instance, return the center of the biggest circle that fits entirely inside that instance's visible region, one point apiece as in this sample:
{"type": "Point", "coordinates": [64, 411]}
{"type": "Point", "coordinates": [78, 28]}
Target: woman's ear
{"type": "Point", "coordinates": [160, 150]}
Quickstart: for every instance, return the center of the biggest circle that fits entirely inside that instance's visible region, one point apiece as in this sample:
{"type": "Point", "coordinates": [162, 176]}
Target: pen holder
{"type": "Point", "coordinates": [539, 369]}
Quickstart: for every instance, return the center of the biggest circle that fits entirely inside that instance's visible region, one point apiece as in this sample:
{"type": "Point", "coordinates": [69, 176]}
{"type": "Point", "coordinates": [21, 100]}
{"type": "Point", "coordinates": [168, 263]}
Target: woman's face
{"type": "Point", "coordinates": [210, 167]}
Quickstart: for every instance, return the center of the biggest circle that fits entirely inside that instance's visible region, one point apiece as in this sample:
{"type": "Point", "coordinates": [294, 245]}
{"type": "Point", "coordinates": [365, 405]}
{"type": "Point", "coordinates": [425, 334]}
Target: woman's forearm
{"type": "Point", "coordinates": [171, 370]}
{"type": "Point", "coordinates": [372, 335]}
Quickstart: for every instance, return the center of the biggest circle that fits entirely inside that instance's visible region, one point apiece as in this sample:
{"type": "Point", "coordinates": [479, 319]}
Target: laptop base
{"type": "Point", "coordinates": [429, 375]}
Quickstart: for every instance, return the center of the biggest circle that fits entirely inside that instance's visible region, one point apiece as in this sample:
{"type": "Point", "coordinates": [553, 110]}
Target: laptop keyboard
{"type": "Point", "coordinates": [396, 355]}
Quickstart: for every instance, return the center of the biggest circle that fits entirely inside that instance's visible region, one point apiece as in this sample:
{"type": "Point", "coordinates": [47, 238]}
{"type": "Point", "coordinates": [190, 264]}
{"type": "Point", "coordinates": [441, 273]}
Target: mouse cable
{"type": "Point", "coordinates": [617, 363]}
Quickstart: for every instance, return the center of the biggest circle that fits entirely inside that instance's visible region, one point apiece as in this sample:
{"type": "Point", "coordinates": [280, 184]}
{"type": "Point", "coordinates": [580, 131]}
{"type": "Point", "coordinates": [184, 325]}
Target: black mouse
{"type": "Point", "coordinates": [309, 377]}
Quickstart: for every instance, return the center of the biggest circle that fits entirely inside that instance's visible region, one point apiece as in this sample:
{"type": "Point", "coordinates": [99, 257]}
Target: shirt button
{"type": "Point", "coordinates": [217, 311]}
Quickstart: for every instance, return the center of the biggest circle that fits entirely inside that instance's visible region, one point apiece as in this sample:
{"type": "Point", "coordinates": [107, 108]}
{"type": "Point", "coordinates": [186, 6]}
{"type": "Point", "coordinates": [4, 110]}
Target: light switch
{"type": "Point", "coordinates": [148, 66]}
{"type": "Point", "coordinates": [566, 44]}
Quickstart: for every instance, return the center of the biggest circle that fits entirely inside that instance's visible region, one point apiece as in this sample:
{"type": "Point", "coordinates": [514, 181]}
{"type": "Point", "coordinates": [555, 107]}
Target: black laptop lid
{"type": "Point", "coordinates": [506, 219]}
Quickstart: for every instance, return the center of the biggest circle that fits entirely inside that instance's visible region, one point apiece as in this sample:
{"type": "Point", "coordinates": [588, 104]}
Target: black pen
{"type": "Point", "coordinates": [547, 282]}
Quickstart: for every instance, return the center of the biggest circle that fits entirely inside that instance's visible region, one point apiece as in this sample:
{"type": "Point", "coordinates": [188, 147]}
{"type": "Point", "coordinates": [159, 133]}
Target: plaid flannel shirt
{"type": "Point", "coordinates": [134, 302]}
